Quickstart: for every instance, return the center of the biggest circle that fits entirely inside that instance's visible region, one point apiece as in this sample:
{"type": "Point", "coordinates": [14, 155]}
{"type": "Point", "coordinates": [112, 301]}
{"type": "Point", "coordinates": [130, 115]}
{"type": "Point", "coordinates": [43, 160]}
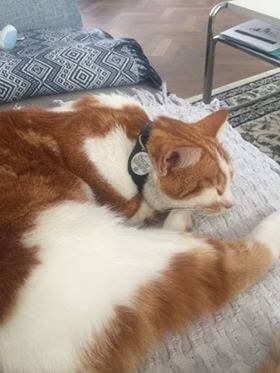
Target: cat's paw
{"type": "Point", "coordinates": [268, 233]}
{"type": "Point", "coordinates": [178, 220]}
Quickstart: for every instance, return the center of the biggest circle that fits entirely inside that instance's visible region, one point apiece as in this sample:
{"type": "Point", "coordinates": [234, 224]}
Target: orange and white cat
{"type": "Point", "coordinates": [81, 291]}
{"type": "Point", "coordinates": [189, 169]}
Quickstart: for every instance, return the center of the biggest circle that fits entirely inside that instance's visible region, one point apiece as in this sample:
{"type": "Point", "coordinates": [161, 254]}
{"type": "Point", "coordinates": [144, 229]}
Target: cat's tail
{"type": "Point", "coordinates": [272, 362]}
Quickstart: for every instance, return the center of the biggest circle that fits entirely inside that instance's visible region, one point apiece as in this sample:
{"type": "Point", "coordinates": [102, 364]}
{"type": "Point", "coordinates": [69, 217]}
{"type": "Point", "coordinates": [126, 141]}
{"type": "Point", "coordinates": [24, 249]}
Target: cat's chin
{"type": "Point", "coordinates": [209, 212]}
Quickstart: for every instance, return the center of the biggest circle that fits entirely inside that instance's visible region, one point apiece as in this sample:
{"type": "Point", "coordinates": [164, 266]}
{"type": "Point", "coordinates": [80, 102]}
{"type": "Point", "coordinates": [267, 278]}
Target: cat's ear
{"type": "Point", "coordinates": [213, 124]}
{"type": "Point", "coordinates": [178, 158]}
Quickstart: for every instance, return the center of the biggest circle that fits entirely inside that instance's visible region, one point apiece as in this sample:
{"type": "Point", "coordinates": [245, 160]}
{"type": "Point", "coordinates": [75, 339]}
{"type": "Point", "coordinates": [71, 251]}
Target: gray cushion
{"type": "Point", "coordinates": [34, 14]}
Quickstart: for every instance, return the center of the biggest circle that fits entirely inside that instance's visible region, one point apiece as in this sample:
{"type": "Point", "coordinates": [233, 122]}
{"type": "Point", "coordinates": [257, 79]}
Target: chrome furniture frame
{"type": "Point", "coordinates": [211, 43]}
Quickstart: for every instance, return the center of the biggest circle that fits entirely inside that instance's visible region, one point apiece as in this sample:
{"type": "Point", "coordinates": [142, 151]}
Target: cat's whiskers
{"type": "Point", "coordinates": [183, 208]}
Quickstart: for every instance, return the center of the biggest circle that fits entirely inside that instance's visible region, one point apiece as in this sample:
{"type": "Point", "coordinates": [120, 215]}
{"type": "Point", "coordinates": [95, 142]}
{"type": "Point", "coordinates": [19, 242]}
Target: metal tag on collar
{"type": "Point", "coordinates": [141, 164]}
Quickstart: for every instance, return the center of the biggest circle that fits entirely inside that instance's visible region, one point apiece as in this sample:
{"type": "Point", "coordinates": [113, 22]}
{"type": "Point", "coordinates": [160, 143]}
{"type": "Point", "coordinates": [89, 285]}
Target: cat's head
{"type": "Point", "coordinates": [191, 169]}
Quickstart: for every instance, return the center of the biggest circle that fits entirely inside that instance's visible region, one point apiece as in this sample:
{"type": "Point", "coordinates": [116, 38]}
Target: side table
{"type": "Point", "coordinates": [265, 10]}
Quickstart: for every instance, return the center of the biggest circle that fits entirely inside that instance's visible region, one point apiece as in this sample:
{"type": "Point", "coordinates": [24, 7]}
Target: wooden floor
{"type": "Point", "coordinates": [172, 34]}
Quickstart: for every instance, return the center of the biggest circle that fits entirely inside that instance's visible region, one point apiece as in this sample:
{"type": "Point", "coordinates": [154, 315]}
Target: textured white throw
{"type": "Point", "coordinates": [238, 337]}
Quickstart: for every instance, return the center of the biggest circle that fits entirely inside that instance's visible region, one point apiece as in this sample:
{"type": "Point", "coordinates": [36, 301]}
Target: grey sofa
{"type": "Point", "coordinates": [55, 55]}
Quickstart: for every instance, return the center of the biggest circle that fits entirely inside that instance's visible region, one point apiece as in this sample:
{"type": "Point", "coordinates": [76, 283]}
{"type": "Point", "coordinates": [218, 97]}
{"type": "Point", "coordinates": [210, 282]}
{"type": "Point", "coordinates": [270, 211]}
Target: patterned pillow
{"type": "Point", "coordinates": [50, 62]}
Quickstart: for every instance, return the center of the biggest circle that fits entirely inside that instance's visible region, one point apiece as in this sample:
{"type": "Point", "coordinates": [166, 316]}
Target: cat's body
{"type": "Point", "coordinates": [94, 138]}
{"type": "Point", "coordinates": [80, 291]}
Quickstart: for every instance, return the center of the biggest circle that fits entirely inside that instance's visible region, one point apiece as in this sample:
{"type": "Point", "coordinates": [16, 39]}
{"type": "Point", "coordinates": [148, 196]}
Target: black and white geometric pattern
{"type": "Point", "coordinates": [49, 62]}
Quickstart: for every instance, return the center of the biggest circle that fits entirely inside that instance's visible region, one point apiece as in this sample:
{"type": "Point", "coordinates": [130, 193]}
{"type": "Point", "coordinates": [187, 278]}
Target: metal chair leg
{"type": "Point", "coordinates": [209, 72]}
{"type": "Point", "coordinates": [210, 53]}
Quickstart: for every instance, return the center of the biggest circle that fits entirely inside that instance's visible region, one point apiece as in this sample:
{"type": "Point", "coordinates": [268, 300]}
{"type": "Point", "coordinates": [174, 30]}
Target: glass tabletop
{"type": "Point", "coordinates": [265, 10]}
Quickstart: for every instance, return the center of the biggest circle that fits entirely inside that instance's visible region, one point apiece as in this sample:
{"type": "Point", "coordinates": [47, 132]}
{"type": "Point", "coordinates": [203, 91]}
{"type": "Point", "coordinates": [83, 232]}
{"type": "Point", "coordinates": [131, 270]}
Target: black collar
{"type": "Point", "coordinates": [139, 164]}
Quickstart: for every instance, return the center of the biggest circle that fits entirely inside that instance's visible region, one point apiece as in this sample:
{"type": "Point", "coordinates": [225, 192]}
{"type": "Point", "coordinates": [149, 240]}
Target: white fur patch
{"type": "Point", "coordinates": [90, 262]}
{"type": "Point", "coordinates": [66, 106]}
{"type": "Point", "coordinates": [109, 155]}
{"type": "Point", "coordinates": [178, 220]}
{"type": "Point", "coordinates": [227, 197]}
{"type": "Point", "coordinates": [116, 101]}
{"type": "Point", "coordinates": [88, 191]}
{"type": "Point", "coordinates": [267, 233]}
{"type": "Point", "coordinates": [144, 212]}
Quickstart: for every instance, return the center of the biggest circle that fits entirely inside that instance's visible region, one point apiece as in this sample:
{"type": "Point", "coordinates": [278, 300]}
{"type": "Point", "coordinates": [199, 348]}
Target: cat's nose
{"type": "Point", "coordinates": [228, 204]}
{"type": "Point", "coordinates": [227, 200]}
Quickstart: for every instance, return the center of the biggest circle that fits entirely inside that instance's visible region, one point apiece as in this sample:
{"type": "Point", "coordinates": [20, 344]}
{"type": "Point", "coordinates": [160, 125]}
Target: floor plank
{"type": "Point", "coordinates": [172, 34]}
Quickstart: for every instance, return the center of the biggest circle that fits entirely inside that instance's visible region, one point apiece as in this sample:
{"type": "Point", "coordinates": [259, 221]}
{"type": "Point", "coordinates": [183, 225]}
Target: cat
{"type": "Point", "coordinates": [82, 290]}
{"type": "Point", "coordinates": [185, 167]}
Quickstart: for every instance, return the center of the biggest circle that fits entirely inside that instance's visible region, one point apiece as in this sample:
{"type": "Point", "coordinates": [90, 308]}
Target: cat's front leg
{"type": "Point", "coordinates": [178, 220]}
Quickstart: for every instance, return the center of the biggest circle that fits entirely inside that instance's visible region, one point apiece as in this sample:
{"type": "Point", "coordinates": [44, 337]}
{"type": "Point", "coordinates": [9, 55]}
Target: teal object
{"type": "Point", "coordinates": [8, 37]}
